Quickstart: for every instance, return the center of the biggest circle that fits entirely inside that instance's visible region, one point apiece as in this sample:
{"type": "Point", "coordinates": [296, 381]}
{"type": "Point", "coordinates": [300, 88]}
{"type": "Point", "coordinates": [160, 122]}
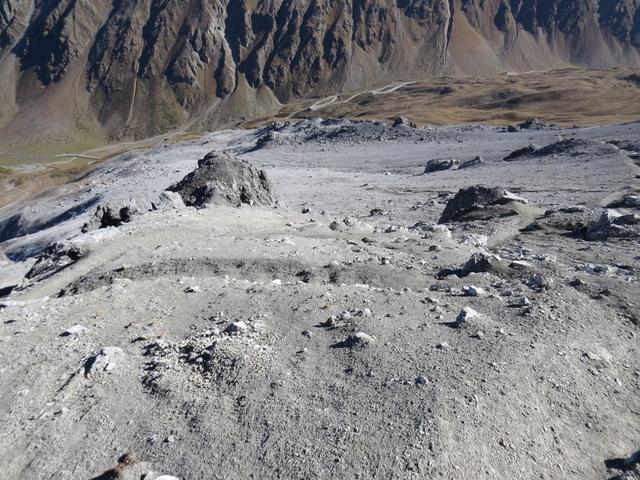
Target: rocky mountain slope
{"type": "Point", "coordinates": [383, 321]}
{"type": "Point", "coordinates": [138, 67]}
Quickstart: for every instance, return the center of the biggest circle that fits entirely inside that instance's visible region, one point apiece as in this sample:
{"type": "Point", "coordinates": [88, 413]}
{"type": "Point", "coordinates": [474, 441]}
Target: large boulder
{"type": "Point", "coordinates": [56, 257]}
{"type": "Point", "coordinates": [439, 164]}
{"type": "Point", "coordinates": [222, 179]}
{"type": "Point", "coordinates": [478, 202]}
{"type": "Point", "coordinates": [614, 224]}
{"type": "Point", "coordinates": [112, 215]}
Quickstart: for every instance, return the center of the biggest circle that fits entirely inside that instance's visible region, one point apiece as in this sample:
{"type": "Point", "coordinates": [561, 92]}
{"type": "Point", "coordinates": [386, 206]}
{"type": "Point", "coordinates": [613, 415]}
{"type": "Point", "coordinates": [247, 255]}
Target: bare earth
{"type": "Point", "coordinates": [542, 388]}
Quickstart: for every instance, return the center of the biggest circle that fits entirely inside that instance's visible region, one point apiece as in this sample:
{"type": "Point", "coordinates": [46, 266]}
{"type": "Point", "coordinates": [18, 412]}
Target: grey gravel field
{"type": "Point", "coordinates": [342, 333]}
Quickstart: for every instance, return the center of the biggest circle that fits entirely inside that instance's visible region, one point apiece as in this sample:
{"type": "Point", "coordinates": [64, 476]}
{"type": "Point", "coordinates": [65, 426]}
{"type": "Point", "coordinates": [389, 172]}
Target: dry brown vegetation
{"type": "Point", "coordinates": [565, 97]}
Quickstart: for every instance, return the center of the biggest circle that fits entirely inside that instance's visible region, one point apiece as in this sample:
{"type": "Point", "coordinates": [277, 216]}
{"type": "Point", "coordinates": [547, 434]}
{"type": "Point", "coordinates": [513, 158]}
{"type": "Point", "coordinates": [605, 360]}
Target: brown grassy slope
{"type": "Point", "coordinates": [565, 97]}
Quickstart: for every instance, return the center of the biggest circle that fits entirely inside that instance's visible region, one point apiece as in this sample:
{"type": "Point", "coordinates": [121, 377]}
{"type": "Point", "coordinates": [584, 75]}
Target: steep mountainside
{"type": "Point", "coordinates": [75, 68]}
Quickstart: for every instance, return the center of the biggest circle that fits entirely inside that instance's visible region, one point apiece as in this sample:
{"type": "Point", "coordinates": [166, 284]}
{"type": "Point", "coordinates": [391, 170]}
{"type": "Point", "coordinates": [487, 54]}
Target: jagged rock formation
{"type": "Point", "coordinates": [480, 202]}
{"type": "Point", "coordinates": [222, 179]}
{"type": "Point", "coordinates": [137, 67]}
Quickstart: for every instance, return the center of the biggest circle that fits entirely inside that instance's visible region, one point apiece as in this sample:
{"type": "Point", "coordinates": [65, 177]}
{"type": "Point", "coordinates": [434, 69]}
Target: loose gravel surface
{"type": "Point", "coordinates": [354, 340]}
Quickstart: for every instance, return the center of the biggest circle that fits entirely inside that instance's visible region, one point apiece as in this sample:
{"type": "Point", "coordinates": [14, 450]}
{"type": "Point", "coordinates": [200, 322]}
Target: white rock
{"type": "Point", "coordinates": [524, 302]}
{"type": "Point", "coordinates": [440, 231]}
{"type": "Point", "coordinates": [360, 339]}
{"type": "Point", "coordinates": [171, 200]}
{"type": "Point", "coordinates": [465, 315]}
{"type": "Point", "coordinates": [105, 360]}
{"type": "Point", "coordinates": [475, 240]}
{"type": "Point", "coordinates": [521, 265]}
{"type": "Point", "coordinates": [75, 330]}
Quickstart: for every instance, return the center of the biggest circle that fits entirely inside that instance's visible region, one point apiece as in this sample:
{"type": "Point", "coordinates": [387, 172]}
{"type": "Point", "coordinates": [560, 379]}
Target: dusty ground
{"type": "Point", "coordinates": [548, 390]}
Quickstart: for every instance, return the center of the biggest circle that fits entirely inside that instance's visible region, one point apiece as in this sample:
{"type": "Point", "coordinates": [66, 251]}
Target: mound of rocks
{"type": "Point", "coordinates": [439, 164]}
{"type": "Point", "coordinates": [574, 220]}
{"type": "Point", "coordinates": [613, 224]}
{"type": "Point", "coordinates": [403, 122]}
{"type": "Point", "coordinates": [480, 262]}
{"type": "Point", "coordinates": [530, 124]}
{"type": "Point", "coordinates": [55, 257]}
{"type": "Point", "coordinates": [479, 202]}
{"type": "Point", "coordinates": [111, 215]}
{"type": "Point", "coordinates": [568, 146]}
{"type": "Point", "coordinates": [222, 179]}
{"type": "Point", "coordinates": [523, 152]}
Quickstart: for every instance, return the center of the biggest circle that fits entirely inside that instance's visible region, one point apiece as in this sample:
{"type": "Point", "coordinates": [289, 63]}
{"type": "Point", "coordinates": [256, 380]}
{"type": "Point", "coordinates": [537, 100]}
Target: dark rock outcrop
{"type": "Point", "coordinates": [55, 258]}
{"type": "Point", "coordinates": [567, 146]}
{"type": "Point", "coordinates": [478, 202]}
{"type": "Point", "coordinates": [439, 164]}
{"type": "Point", "coordinates": [222, 179]}
{"type": "Point", "coordinates": [111, 216]}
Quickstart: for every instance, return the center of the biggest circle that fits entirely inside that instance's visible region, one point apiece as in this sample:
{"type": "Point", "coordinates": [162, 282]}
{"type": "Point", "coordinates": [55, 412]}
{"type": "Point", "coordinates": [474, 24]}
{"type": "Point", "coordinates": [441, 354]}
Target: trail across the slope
{"type": "Point", "coordinates": [333, 99]}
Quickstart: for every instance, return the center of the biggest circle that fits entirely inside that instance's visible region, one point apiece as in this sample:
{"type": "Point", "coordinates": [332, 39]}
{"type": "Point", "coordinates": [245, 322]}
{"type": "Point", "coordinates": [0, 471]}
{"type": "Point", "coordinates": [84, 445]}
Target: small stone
{"type": "Point", "coordinates": [481, 263]}
{"type": "Point", "coordinates": [75, 330]}
{"type": "Point", "coordinates": [420, 380]}
{"type": "Point", "coordinates": [359, 339]}
{"type": "Point", "coordinates": [192, 289]}
{"type": "Point", "coordinates": [330, 322]}
{"type": "Point", "coordinates": [236, 327]}
{"type": "Point", "coordinates": [475, 240]}
{"type": "Point", "coordinates": [524, 302]}
{"type": "Point", "coordinates": [104, 360]}
{"type": "Point", "coordinates": [632, 201]}
{"type": "Point", "coordinates": [473, 291]}
{"type": "Point", "coordinates": [307, 333]}
{"type": "Point", "coordinates": [537, 282]}
{"type": "Point", "coordinates": [443, 346]}
{"type": "Point", "coordinates": [521, 265]}
{"type": "Point", "coordinates": [576, 282]}
{"type": "Point", "coordinates": [170, 439]}
{"type": "Point", "coordinates": [465, 315]}
{"type": "Point", "coordinates": [400, 122]}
